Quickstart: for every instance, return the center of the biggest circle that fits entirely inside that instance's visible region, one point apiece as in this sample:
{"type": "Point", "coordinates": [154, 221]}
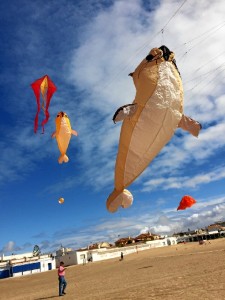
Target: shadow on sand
{"type": "Point", "coordinates": [145, 267]}
{"type": "Point", "coordinates": [50, 297]}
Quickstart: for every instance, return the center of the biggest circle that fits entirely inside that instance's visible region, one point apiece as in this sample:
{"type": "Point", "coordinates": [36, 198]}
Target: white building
{"type": "Point", "coordinates": [25, 264]}
{"type": "Point", "coordinates": [78, 257]}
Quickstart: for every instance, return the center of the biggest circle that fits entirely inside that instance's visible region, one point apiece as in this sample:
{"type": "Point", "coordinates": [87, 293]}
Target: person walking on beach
{"type": "Point", "coordinates": [62, 280]}
{"type": "Point", "coordinates": [121, 256]}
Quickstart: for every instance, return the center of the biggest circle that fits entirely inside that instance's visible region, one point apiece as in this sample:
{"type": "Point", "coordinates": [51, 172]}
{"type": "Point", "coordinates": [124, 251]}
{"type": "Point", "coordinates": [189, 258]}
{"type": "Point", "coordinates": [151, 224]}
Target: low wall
{"type": "Point", "coordinates": [81, 257]}
{"type": "Point", "coordinates": [116, 252]}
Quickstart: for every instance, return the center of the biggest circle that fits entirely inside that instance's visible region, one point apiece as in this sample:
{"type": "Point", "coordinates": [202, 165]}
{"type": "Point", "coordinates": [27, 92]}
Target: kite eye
{"type": "Point", "coordinates": [58, 116]}
{"type": "Point", "coordinates": [149, 57]}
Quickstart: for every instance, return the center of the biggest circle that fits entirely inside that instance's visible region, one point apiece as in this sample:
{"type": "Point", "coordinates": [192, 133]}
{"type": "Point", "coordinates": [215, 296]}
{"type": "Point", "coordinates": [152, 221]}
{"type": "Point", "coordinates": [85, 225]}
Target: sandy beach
{"type": "Point", "coordinates": [184, 271]}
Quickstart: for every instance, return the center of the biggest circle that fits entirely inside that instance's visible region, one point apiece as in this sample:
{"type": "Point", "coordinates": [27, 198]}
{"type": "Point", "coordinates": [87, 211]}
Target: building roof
{"type": "Point", "coordinates": [215, 226]}
{"type": "Point", "coordinates": [144, 236]}
{"type": "Point", "coordinates": [125, 239]}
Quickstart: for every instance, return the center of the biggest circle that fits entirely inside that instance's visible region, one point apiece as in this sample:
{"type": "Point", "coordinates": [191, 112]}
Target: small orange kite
{"type": "Point", "coordinates": [186, 201]}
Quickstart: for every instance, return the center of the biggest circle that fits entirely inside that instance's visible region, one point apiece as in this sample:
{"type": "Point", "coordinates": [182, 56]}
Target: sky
{"type": "Point", "coordinates": [88, 48]}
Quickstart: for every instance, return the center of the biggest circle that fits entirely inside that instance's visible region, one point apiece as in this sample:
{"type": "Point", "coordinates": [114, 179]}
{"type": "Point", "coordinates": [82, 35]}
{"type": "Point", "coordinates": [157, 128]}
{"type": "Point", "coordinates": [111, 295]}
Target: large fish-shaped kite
{"type": "Point", "coordinates": [63, 135]}
{"type": "Point", "coordinates": [46, 88]}
{"type": "Point", "coordinates": [150, 121]}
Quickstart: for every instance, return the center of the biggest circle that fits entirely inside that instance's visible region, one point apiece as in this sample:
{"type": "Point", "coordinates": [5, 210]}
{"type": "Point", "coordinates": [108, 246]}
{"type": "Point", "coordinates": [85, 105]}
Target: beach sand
{"type": "Point", "coordinates": [184, 271]}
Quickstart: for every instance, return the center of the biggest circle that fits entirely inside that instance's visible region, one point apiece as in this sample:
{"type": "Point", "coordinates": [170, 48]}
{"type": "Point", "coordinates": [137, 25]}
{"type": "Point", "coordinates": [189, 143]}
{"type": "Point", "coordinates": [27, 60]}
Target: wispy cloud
{"type": "Point", "coordinates": [11, 247]}
{"type": "Point", "coordinates": [185, 181]}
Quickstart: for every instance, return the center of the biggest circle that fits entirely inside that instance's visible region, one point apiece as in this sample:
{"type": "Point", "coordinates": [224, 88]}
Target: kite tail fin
{"type": "Point", "coordinates": [63, 158]}
{"type": "Point", "coordinates": [119, 198]}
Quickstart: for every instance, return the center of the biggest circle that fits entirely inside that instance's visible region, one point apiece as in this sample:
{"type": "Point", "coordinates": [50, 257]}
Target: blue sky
{"type": "Point", "coordinates": [88, 48]}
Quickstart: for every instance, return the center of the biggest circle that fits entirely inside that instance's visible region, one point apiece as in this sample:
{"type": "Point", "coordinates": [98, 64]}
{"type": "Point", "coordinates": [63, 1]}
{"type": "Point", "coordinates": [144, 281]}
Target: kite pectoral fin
{"type": "Point", "coordinates": [190, 125]}
{"type": "Point", "coordinates": [74, 132]}
{"type": "Point", "coordinates": [63, 158]}
{"type": "Point", "coordinates": [125, 111]}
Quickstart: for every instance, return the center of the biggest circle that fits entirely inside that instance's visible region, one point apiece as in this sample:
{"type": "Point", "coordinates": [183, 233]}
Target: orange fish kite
{"type": "Point", "coordinates": [63, 135]}
{"type": "Point", "coordinates": [46, 88]}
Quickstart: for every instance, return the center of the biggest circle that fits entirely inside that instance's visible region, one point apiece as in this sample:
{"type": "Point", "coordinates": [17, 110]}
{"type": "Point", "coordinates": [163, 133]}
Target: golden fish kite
{"type": "Point", "coordinates": [46, 88]}
{"type": "Point", "coordinates": [63, 135]}
{"type": "Point", "coordinates": [149, 122]}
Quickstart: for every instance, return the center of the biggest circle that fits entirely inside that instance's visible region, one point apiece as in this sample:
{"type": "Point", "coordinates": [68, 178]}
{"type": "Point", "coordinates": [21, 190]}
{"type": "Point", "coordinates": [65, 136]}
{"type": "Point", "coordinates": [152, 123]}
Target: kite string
{"type": "Point", "coordinates": [203, 65]}
{"type": "Point", "coordinates": [204, 74]}
{"type": "Point", "coordinates": [204, 77]}
{"type": "Point", "coordinates": [208, 33]}
{"type": "Point", "coordinates": [144, 45]}
{"type": "Point", "coordinates": [204, 81]}
{"type": "Point", "coordinates": [163, 29]}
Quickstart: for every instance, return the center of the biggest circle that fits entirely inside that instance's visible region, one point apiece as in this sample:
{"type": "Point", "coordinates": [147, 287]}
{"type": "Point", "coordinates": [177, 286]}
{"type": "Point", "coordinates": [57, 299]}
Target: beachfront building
{"type": "Point", "coordinates": [83, 256]}
{"type": "Point", "coordinates": [141, 238]}
{"type": "Point", "coordinates": [124, 241]}
{"type": "Point", "coordinates": [25, 264]}
{"type": "Point", "coordinates": [148, 236]}
{"type": "Point", "coordinates": [212, 231]}
{"type": "Point", "coordinates": [99, 245]}
{"type": "Point", "coordinates": [62, 251]}
{"type": "Point", "coordinates": [215, 227]}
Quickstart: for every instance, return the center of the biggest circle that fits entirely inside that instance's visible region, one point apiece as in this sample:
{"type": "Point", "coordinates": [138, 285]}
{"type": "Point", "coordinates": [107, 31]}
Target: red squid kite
{"type": "Point", "coordinates": [186, 201]}
{"type": "Point", "coordinates": [46, 88]}
{"type": "Point", "coordinates": [150, 121]}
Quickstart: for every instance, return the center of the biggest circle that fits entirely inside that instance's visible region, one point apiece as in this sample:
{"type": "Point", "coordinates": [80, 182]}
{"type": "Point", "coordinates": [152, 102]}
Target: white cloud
{"type": "Point", "coordinates": [144, 230]}
{"type": "Point", "coordinates": [185, 181]}
{"type": "Point", "coordinates": [9, 246]}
